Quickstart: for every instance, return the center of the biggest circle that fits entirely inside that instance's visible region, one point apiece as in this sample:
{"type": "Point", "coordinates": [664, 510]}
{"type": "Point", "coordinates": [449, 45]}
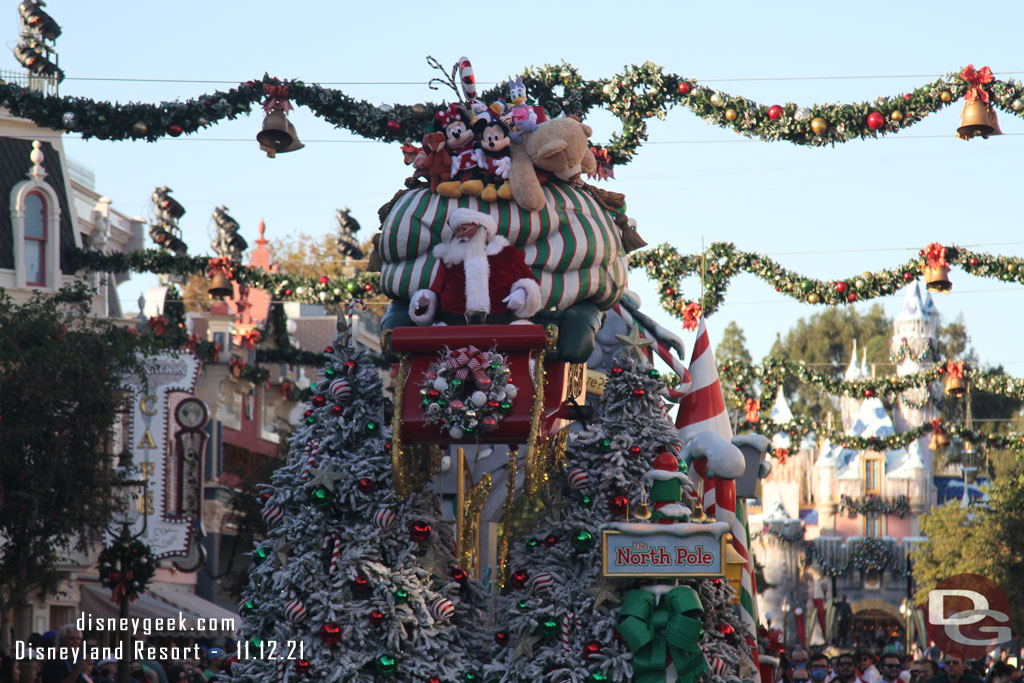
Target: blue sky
{"type": "Point", "coordinates": [824, 212]}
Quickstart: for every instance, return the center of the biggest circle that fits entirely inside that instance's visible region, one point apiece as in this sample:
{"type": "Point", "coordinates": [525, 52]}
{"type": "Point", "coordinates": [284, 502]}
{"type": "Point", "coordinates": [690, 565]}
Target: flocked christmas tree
{"type": "Point", "coordinates": [353, 584]}
{"type": "Point", "coordinates": [559, 619]}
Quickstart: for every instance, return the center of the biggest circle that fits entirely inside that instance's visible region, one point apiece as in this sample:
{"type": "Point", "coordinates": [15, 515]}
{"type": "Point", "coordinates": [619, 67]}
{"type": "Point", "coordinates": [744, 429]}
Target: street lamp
{"type": "Point", "coordinates": [121, 529]}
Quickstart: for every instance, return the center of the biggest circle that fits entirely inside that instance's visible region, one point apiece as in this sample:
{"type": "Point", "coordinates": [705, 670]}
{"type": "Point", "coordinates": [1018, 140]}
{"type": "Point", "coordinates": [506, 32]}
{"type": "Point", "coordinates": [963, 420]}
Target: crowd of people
{"type": "Point", "coordinates": [930, 666]}
{"type": "Point", "coordinates": [35, 667]}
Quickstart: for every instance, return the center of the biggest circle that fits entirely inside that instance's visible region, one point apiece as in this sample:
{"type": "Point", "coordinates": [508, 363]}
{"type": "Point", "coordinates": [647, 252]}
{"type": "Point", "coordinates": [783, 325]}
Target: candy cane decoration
{"type": "Point", "coordinates": [570, 618]}
{"type": "Point", "coordinates": [312, 451]}
{"type": "Point", "coordinates": [467, 78]}
{"type": "Point", "coordinates": [335, 554]}
{"type": "Point", "coordinates": [280, 670]}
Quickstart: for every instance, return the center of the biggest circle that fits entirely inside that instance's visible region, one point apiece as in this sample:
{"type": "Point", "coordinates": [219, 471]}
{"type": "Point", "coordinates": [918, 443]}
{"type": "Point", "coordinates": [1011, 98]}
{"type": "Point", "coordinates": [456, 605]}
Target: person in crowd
{"type": "Point", "coordinates": [800, 676]}
{"type": "Point", "coordinates": [920, 671]}
{"type": "Point", "coordinates": [892, 666]}
{"type": "Point", "coordinates": [215, 663]}
{"type": "Point", "coordinates": [818, 668]}
{"type": "Point", "coordinates": [846, 670]}
{"type": "Point", "coordinates": [66, 670]}
{"type": "Point", "coordinates": [105, 671]}
{"type": "Point", "coordinates": [954, 671]}
{"type": "Point", "coordinates": [933, 653]}
{"type": "Point", "coordinates": [797, 659]}
{"type": "Point", "coordinates": [869, 673]}
{"type": "Point", "coordinates": [1001, 672]}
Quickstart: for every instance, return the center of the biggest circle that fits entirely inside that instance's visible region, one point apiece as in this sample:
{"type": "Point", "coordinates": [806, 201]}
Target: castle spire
{"type": "Point", "coordinates": [853, 371]}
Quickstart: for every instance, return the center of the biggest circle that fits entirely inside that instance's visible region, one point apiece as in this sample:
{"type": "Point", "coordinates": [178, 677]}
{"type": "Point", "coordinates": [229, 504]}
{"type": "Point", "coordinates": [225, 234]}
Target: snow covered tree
{"type": "Point", "coordinates": [559, 621]}
{"type": "Point", "coordinates": [351, 583]}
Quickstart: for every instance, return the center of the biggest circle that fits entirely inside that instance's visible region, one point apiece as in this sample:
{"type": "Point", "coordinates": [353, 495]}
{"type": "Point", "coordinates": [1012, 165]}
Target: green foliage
{"type": "Point", "coordinates": [732, 349]}
{"type": "Point", "coordinates": [825, 341]}
{"type": "Point", "coordinates": [61, 378]}
{"type": "Point", "coordinates": [983, 538]}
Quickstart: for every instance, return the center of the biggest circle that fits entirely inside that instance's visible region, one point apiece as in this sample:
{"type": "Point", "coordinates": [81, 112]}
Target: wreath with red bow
{"type": "Point", "coordinates": [466, 392]}
{"type": "Point", "coordinates": [139, 563]}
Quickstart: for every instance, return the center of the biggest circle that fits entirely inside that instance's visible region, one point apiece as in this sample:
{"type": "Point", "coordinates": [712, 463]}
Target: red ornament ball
{"type": "Point", "coordinates": [376, 617]}
{"type": "Point", "coordinates": [639, 393]}
{"type": "Point", "coordinates": [365, 485]}
{"type": "Point", "coordinates": [328, 349]}
{"type": "Point", "coordinates": [350, 365]}
{"type": "Point", "coordinates": [726, 629]}
{"type": "Point", "coordinates": [394, 126]}
{"type": "Point", "coordinates": [302, 666]}
{"type": "Point", "coordinates": [174, 130]}
{"type": "Point", "coordinates": [841, 287]}
{"type": "Point", "coordinates": [973, 260]}
{"type": "Point", "coordinates": [907, 96]}
{"type": "Point", "coordinates": [420, 531]}
{"type": "Point", "coordinates": [433, 679]}
{"type": "Point", "coordinates": [330, 633]}
{"type": "Point", "coordinates": [869, 393]}
{"type": "Point", "coordinates": [908, 276]}
{"type": "Point", "coordinates": [501, 638]}
{"type": "Point", "coordinates": [684, 88]}
{"type": "Point", "coordinates": [324, 279]}
{"type": "Point", "coordinates": [550, 541]}
{"type": "Point", "coordinates": [717, 583]}
{"type": "Point", "coordinates": [635, 451]}
{"type": "Point", "coordinates": [775, 112]}
{"type": "Point", "coordinates": [592, 648]}
{"type": "Point", "coordinates": [616, 371]}
{"type": "Point", "coordinates": [618, 505]}
{"type": "Point", "coordinates": [361, 585]}
{"type": "Point", "coordinates": [460, 576]}
{"type": "Point", "coordinates": [338, 410]}
{"type": "Point", "coordinates": [875, 120]}
{"type": "Point", "coordinates": [519, 579]}
{"type": "Point", "coordinates": [851, 297]}
{"type": "Point", "coordinates": [319, 401]}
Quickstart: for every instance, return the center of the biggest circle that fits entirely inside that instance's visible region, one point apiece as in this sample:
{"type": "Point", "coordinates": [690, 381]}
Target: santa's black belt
{"type": "Point", "coordinates": [505, 318]}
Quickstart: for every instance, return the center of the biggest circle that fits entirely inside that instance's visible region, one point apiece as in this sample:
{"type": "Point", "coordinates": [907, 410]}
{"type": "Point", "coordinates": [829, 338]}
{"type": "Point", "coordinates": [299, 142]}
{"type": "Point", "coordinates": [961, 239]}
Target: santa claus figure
{"type": "Point", "coordinates": [480, 277]}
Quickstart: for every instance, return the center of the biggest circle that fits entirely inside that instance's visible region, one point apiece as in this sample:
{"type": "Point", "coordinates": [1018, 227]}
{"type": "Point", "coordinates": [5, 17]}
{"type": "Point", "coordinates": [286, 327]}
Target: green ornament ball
{"type": "Point", "coordinates": [311, 420]}
{"type": "Point", "coordinates": [260, 555]}
{"type": "Point", "coordinates": [654, 374]}
{"type": "Point", "coordinates": [505, 406]}
{"type": "Point", "coordinates": [586, 501]}
{"type": "Point", "coordinates": [321, 498]}
{"type": "Point", "coordinates": [532, 543]}
{"type": "Point", "coordinates": [330, 372]}
{"type": "Point", "coordinates": [805, 285]}
{"type": "Point", "coordinates": [401, 596]}
{"type": "Point", "coordinates": [495, 364]}
{"type": "Point", "coordinates": [256, 642]}
{"type": "Point", "coordinates": [456, 382]}
{"type": "Point", "coordinates": [582, 540]}
{"type": "Point", "coordinates": [371, 427]}
{"type": "Point", "coordinates": [248, 607]}
{"type": "Point", "coordinates": [523, 606]}
{"type": "Point", "coordinates": [350, 286]}
{"type": "Point", "coordinates": [683, 467]}
{"type": "Point", "coordinates": [386, 665]}
{"type": "Point", "coordinates": [549, 627]}
{"type": "Point", "coordinates": [471, 676]}
{"type": "Point", "coordinates": [606, 445]}
{"type": "Point", "coordinates": [598, 676]}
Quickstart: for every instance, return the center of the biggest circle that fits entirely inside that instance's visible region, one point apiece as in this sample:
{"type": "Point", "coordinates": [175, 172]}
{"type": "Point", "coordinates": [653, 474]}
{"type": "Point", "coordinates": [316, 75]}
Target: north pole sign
{"type": "Point", "coordinates": [680, 551]}
{"type": "Point", "coordinates": [155, 449]}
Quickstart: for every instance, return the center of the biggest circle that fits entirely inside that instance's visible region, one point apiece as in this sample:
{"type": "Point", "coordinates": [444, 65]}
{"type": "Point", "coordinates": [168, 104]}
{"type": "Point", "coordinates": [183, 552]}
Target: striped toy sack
{"type": "Point", "coordinates": [572, 245]}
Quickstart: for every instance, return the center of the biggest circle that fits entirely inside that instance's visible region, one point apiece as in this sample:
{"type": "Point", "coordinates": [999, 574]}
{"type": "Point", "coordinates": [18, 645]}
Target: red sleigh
{"type": "Point", "coordinates": [550, 390]}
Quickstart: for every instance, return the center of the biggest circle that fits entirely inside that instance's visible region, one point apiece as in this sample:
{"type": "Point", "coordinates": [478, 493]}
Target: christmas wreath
{"type": "Point", "coordinates": [467, 392]}
{"type": "Point", "coordinates": [139, 564]}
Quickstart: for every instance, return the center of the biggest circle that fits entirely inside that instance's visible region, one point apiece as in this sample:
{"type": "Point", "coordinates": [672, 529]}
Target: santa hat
{"type": "Point", "coordinates": [462, 216]}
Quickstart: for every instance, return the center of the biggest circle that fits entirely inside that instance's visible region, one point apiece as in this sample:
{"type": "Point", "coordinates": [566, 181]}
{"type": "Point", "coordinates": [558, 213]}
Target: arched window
{"type": "Point", "coordinates": [35, 239]}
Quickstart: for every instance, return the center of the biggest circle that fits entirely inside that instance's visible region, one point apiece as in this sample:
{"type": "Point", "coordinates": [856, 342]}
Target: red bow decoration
{"type": "Point", "coordinates": [277, 98]}
{"type": "Point", "coordinates": [249, 338]}
{"type": "Point", "coordinates": [470, 360]}
{"type": "Point", "coordinates": [977, 79]}
{"type": "Point", "coordinates": [782, 454]}
{"type": "Point", "coordinates": [236, 365]}
{"type": "Point", "coordinates": [450, 115]}
{"type": "Point", "coordinates": [220, 265]}
{"type": "Point", "coordinates": [753, 407]}
{"type": "Point", "coordinates": [937, 426]}
{"type": "Point", "coordinates": [935, 254]}
{"type": "Point", "coordinates": [158, 324]}
{"type": "Point", "coordinates": [604, 169]}
{"type": "Point", "coordinates": [955, 368]}
{"type": "Point", "coordinates": [192, 343]}
{"type": "Point", "coordinates": [120, 589]}
{"type": "Point", "coordinates": [691, 314]}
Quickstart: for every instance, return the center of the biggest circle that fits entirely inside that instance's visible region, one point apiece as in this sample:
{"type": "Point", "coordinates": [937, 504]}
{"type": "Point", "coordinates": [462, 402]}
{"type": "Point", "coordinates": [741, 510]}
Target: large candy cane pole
{"type": "Point", "coordinates": [569, 619]}
{"type": "Point", "coordinates": [467, 78]}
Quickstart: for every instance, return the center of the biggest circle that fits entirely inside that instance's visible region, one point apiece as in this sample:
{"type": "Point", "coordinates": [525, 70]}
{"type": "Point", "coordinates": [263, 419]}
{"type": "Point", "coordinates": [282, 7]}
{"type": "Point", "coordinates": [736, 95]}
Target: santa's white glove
{"type": "Point", "coordinates": [516, 300]}
{"type": "Point", "coordinates": [422, 302]}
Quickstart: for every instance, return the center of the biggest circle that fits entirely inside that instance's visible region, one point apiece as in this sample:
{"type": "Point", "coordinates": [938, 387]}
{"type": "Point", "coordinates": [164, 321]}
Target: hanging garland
{"type": "Point", "coordinates": [792, 537]}
{"type": "Point", "coordinates": [900, 505]}
{"type": "Point", "coordinates": [139, 564]}
{"type": "Point", "coordinates": [467, 392]}
{"type": "Point", "coordinates": [637, 94]}
{"type": "Point", "coordinates": [869, 554]}
{"type": "Point", "coordinates": [904, 352]}
{"type": "Point", "coordinates": [722, 260]}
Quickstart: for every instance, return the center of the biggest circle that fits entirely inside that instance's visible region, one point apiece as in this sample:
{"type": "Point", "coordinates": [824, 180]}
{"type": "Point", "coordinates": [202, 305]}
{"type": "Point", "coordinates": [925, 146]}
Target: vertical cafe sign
{"type": "Point", "coordinates": [155, 452]}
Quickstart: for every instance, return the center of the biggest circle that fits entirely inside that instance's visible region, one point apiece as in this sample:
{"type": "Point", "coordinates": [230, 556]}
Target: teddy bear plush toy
{"type": "Point", "coordinates": [558, 146]}
{"type": "Point", "coordinates": [434, 162]}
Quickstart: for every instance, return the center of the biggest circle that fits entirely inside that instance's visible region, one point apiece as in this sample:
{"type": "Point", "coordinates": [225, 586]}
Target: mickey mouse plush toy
{"type": "Point", "coordinates": [454, 123]}
{"type": "Point", "coordinates": [493, 157]}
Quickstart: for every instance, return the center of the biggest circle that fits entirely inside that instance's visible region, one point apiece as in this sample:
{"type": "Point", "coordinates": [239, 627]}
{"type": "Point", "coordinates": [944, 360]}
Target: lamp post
{"type": "Point", "coordinates": [124, 536]}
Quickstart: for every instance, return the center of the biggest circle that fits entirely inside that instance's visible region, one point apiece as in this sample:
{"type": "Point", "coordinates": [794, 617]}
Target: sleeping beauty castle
{"type": "Point", "coordinates": [837, 525]}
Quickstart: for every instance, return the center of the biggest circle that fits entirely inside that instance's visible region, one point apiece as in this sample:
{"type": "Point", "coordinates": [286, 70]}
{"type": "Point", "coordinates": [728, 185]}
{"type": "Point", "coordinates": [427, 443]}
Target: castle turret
{"type": "Point", "coordinates": [848, 405]}
{"type": "Point", "coordinates": [913, 350]}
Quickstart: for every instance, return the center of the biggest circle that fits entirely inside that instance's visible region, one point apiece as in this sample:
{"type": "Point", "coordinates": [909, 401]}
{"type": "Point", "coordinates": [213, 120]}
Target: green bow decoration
{"type": "Point", "coordinates": [654, 632]}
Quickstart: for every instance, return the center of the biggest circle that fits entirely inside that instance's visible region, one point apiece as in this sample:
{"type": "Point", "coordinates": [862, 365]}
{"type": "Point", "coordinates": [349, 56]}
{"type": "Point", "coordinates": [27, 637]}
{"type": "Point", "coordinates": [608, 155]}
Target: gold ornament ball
{"type": "Point", "coordinates": [716, 100]}
{"type": "Point", "coordinates": [896, 116]}
{"type": "Point", "coordinates": [1017, 105]}
{"type": "Point", "coordinates": [419, 110]}
{"type": "Point", "coordinates": [139, 128]}
{"type": "Point", "coordinates": [819, 125]}
{"type": "Point", "coordinates": [946, 96]}
{"type": "Point", "coordinates": [813, 298]}
{"type": "Point", "coordinates": [730, 114]}
{"type": "Point", "coordinates": [859, 284]}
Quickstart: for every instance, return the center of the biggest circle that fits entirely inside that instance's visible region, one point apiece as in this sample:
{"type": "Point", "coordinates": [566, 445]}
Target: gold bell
{"type": "Point", "coordinates": [978, 118]}
{"type": "Point", "coordinates": [936, 279]}
{"type": "Point", "coordinates": [220, 286]}
{"type": "Point", "coordinates": [938, 442]}
{"type": "Point", "coordinates": [275, 137]}
{"type": "Point", "coordinates": [955, 386]}
{"type": "Point", "coordinates": [295, 143]}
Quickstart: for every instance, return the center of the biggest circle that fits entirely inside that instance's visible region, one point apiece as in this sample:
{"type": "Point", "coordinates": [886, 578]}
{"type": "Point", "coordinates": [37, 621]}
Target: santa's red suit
{"type": "Point", "coordinates": [478, 283]}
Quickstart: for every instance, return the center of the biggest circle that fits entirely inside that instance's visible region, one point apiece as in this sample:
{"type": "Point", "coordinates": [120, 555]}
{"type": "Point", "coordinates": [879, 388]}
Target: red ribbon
{"type": "Point", "coordinates": [955, 368]}
{"type": "Point", "coordinates": [937, 426]}
{"type": "Point", "coordinates": [469, 360]}
{"type": "Point", "coordinates": [691, 314]}
{"type": "Point", "coordinates": [120, 588]}
{"type": "Point", "coordinates": [277, 98]}
{"type": "Point", "coordinates": [249, 339]}
{"type": "Point", "coordinates": [236, 365]}
{"type": "Point", "coordinates": [782, 454]}
{"type": "Point", "coordinates": [753, 407]}
{"type": "Point", "coordinates": [603, 170]}
{"type": "Point", "coordinates": [158, 324]}
{"type": "Point", "coordinates": [935, 254]}
{"type": "Point", "coordinates": [220, 265]}
{"type": "Point", "coordinates": [977, 79]}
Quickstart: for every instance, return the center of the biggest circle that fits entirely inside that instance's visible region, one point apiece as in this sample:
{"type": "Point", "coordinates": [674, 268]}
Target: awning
{"type": "Point", "coordinates": [96, 603]}
{"type": "Point", "coordinates": [205, 618]}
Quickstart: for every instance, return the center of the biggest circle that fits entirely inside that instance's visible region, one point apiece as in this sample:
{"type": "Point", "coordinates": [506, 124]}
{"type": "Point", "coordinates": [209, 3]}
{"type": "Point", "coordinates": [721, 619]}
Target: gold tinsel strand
{"type": "Point", "coordinates": [469, 533]}
{"type": "Point", "coordinates": [506, 524]}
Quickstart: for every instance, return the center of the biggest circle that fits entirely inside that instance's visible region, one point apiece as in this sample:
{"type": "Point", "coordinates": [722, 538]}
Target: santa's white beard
{"type": "Point", "coordinates": [460, 248]}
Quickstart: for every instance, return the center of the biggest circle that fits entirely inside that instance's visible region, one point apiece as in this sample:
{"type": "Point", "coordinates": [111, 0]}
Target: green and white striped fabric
{"type": "Point", "coordinates": [572, 244]}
